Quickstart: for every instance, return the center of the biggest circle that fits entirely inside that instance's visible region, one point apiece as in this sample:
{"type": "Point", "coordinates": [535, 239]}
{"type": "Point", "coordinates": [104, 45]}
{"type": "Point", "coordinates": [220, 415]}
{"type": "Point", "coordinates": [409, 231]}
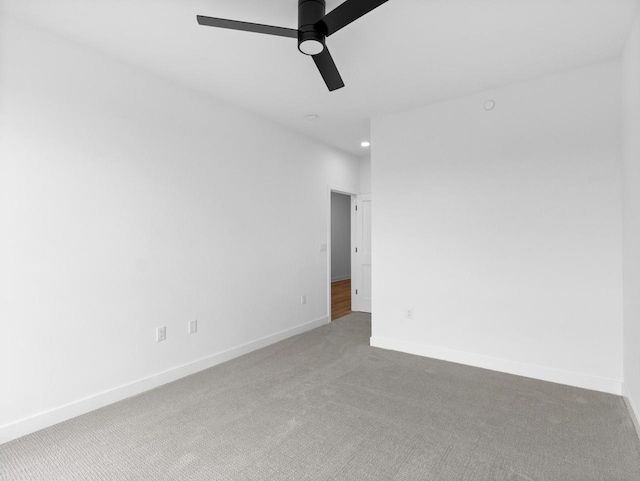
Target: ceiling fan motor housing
{"type": "Point", "coordinates": [309, 33]}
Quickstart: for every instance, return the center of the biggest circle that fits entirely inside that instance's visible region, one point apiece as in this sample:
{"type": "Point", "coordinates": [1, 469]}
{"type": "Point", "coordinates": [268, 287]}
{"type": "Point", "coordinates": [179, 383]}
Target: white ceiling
{"type": "Point", "coordinates": [404, 54]}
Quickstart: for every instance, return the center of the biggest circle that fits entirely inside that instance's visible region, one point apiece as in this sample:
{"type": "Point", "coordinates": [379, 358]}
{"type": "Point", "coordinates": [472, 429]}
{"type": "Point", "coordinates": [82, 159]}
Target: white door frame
{"type": "Point", "coordinates": [353, 195]}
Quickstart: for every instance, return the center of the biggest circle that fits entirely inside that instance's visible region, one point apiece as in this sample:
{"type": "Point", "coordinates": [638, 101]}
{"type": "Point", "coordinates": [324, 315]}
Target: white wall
{"type": "Point", "coordinates": [631, 218]}
{"type": "Point", "coordinates": [128, 203]}
{"type": "Point", "coordinates": [365, 175]}
{"type": "Point", "coordinates": [340, 236]}
{"type": "Point", "coordinates": [502, 229]}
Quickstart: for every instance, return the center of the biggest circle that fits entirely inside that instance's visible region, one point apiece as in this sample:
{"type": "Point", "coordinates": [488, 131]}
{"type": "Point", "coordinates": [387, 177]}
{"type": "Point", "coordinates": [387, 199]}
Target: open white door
{"type": "Point", "coordinates": [361, 289]}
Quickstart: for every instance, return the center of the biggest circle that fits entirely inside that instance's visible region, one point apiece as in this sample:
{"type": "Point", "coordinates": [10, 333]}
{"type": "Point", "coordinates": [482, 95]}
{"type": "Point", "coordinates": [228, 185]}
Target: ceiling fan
{"type": "Point", "coordinates": [313, 28]}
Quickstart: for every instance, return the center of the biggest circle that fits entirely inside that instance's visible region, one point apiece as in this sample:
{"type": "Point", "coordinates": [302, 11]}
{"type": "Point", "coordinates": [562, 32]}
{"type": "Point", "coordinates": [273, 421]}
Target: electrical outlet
{"type": "Point", "coordinates": [303, 300]}
{"type": "Point", "coordinates": [323, 247]}
{"type": "Point", "coordinates": [409, 314]}
{"type": "Point", "coordinates": [161, 334]}
{"type": "Point", "coordinates": [193, 326]}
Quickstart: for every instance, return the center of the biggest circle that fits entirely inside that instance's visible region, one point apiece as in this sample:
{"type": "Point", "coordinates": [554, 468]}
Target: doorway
{"type": "Point", "coordinates": [341, 246]}
{"type": "Point", "coordinates": [349, 262]}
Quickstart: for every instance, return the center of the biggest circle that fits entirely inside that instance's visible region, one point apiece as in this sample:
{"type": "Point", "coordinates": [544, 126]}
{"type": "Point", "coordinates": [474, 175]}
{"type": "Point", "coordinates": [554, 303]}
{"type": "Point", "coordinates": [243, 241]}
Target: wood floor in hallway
{"type": "Point", "coordinates": [340, 298]}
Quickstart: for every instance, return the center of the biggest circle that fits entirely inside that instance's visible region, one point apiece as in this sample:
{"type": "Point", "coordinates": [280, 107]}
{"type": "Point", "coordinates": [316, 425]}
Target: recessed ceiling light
{"type": "Point", "coordinates": [365, 144]}
{"type": "Point", "coordinates": [311, 117]}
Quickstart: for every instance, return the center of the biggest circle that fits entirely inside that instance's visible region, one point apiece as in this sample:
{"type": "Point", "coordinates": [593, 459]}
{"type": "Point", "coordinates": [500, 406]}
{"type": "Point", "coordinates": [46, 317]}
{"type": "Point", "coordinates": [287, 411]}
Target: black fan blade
{"type": "Point", "coordinates": [247, 27]}
{"type": "Point", "coordinates": [328, 70]}
{"type": "Point", "coordinates": [346, 13]}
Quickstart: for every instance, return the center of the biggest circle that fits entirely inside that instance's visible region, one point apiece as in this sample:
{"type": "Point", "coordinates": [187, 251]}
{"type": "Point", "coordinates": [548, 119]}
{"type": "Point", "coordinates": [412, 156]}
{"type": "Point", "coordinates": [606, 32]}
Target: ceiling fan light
{"type": "Point", "coordinates": [311, 47]}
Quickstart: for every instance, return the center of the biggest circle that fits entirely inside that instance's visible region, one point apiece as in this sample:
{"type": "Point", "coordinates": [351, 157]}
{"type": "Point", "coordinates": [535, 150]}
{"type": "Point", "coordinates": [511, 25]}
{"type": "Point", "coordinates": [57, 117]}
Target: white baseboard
{"type": "Point", "coordinates": [632, 407]}
{"type": "Point", "coordinates": [59, 414]}
{"type": "Point", "coordinates": [559, 376]}
{"type": "Point", "coordinates": [340, 278]}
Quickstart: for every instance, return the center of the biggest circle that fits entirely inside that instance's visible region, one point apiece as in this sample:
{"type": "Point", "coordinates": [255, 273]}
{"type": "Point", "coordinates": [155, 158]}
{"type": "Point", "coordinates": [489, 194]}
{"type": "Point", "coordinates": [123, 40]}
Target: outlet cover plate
{"type": "Point", "coordinates": [161, 334]}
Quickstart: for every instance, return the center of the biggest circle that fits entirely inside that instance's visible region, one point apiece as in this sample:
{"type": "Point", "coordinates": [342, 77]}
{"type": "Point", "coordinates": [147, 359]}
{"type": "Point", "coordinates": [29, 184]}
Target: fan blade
{"type": "Point", "coordinates": [328, 70]}
{"type": "Point", "coordinates": [346, 13]}
{"type": "Point", "coordinates": [247, 27]}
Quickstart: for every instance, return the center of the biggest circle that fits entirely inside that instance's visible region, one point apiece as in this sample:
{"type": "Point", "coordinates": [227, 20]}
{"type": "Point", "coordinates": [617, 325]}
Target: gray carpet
{"type": "Point", "coordinates": [326, 406]}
